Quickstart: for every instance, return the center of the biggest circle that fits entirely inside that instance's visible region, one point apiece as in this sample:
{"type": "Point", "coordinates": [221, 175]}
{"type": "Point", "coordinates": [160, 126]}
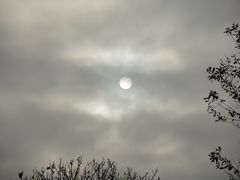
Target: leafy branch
{"type": "Point", "coordinates": [227, 109]}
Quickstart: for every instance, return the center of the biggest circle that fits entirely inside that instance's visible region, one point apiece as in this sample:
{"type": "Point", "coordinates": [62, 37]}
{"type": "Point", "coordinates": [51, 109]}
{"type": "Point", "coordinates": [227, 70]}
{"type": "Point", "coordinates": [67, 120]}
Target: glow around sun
{"type": "Point", "coordinates": [125, 83]}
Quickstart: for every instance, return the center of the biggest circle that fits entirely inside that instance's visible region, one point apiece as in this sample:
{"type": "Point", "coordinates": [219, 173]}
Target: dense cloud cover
{"type": "Point", "coordinates": [60, 64]}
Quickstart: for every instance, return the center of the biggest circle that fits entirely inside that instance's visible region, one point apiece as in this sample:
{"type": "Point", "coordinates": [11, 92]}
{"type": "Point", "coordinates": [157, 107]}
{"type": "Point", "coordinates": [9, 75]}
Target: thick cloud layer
{"type": "Point", "coordinates": [60, 64]}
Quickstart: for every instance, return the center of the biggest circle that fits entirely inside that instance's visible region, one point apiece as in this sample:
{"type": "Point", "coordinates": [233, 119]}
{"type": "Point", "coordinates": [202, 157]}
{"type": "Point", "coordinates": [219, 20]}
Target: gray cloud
{"type": "Point", "coordinates": [60, 63]}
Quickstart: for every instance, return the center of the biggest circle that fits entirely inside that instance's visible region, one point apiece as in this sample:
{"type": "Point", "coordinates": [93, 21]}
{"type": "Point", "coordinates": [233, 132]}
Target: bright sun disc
{"type": "Point", "coordinates": [125, 83]}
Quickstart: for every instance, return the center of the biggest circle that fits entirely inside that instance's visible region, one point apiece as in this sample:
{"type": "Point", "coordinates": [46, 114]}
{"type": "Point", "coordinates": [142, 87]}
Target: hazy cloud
{"type": "Point", "coordinates": [60, 65]}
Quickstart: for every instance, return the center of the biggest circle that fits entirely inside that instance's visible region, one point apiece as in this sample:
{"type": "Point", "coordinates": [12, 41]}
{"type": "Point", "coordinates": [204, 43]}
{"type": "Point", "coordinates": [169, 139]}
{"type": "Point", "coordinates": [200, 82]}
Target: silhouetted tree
{"type": "Point", "coordinates": [226, 107]}
{"type": "Point", "coordinates": [93, 170]}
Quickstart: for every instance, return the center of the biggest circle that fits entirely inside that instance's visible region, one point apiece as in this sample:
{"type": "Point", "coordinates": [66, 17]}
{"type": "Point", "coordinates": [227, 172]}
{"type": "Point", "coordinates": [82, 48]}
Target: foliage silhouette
{"type": "Point", "coordinates": [226, 109]}
{"type": "Point", "coordinates": [93, 170]}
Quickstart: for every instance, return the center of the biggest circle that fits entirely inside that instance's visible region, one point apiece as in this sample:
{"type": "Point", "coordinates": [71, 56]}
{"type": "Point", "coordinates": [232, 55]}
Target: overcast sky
{"type": "Point", "coordinates": [60, 66]}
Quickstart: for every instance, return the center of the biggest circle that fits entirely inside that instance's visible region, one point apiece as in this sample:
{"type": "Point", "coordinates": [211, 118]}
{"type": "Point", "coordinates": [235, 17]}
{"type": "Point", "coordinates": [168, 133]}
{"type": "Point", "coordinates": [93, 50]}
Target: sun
{"type": "Point", "coordinates": [125, 83]}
